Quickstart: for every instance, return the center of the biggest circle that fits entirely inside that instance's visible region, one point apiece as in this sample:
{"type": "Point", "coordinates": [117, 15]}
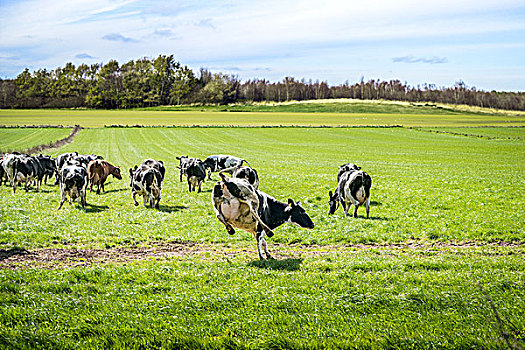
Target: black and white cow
{"type": "Point", "coordinates": [346, 167]}
{"type": "Point", "coordinates": [3, 174]}
{"type": "Point", "coordinates": [73, 181]}
{"type": "Point", "coordinates": [61, 161]}
{"type": "Point", "coordinates": [157, 164]}
{"type": "Point", "coordinates": [244, 172]}
{"type": "Point", "coordinates": [196, 174]}
{"type": "Point", "coordinates": [85, 159]}
{"type": "Point", "coordinates": [22, 168]}
{"type": "Point", "coordinates": [353, 188]}
{"type": "Point", "coordinates": [238, 204]}
{"type": "Point", "coordinates": [48, 166]}
{"type": "Point", "coordinates": [146, 180]}
{"type": "Point", "coordinates": [184, 162]}
{"type": "Point", "coordinates": [221, 162]}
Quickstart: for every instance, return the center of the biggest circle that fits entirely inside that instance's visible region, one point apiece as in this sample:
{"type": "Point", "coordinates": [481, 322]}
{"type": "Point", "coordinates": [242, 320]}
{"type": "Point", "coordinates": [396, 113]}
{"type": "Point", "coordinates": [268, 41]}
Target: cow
{"type": "Point", "coordinates": [220, 162]}
{"type": "Point", "coordinates": [3, 174]}
{"type": "Point", "coordinates": [157, 164]}
{"type": "Point", "coordinates": [146, 180]}
{"type": "Point", "coordinates": [22, 168]}
{"type": "Point", "coordinates": [61, 161]}
{"type": "Point", "coordinates": [98, 171]}
{"type": "Point", "coordinates": [73, 181]}
{"type": "Point", "coordinates": [247, 173]}
{"type": "Point", "coordinates": [346, 167]}
{"type": "Point", "coordinates": [48, 166]}
{"type": "Point", "coordinates": [352, 188]}
{"type": "Point", "coordinates": [196, 174]}
{"type": "Point", "coordinates": [238, 204]}
{"type": "Point", "coordinates": [184, 162]}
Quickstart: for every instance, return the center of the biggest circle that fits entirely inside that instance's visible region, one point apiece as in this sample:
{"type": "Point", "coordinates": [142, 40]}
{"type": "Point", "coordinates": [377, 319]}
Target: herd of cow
{"type": "Point", "coordinates": [236, 199]}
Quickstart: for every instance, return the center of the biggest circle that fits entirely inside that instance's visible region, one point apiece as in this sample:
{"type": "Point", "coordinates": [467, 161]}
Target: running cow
{"type": "Point", "coordinates": [353, 188]}
{"type": "Point", "coordinates": [98, 172]}
{"type": "Point", "coordinates": [221, 162]}
{"type": "Point", "coordinates": [238, 204]}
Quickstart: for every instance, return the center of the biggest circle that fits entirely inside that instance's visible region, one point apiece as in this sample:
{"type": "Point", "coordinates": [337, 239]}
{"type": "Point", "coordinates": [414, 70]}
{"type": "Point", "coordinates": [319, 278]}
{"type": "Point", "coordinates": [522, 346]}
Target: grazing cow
{"type": "Point", "coordinates": [48, 166]}
{"type": "Point", "coordinates": [196, 174]}
{"type": "Point", "coordinates": [98, 171]}
{"type": "Point", "coordinates": [346, 167]}
{"type": "Point", "coordinates": [238, 204]}
{"type": "Point", "coordinates": [22, 168]}
{"type": "Point", "coordinates": [184, 162]}
{"type": "Point", "coordinates": [220, 162]}
{"type": "Point", "coordinates": [353, 188]}
{"type": "Point", "coordinates": [73, 180]}
{"type": "Point", "coordinates": [146, 180]}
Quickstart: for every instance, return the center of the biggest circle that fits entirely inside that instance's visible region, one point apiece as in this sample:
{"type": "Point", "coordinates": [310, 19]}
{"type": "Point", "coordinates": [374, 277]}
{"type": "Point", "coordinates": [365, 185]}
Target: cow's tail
{"type": "Point", "coordinates": [244, 160]}
{"type": "Point", "coordinates": [16, 163]}
{"type": "Point", "coordinates": [230, 170]}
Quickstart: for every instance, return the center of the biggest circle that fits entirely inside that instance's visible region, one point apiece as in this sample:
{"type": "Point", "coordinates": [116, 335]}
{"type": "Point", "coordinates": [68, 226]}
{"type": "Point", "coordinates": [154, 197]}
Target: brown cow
{"type": "Point", "coordinates": [98, 172]}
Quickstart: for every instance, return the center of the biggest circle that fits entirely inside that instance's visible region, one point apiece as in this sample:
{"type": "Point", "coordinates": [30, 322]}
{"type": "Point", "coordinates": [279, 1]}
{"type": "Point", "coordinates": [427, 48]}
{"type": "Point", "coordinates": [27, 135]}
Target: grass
{"type": "Point", "coordinates": [21, 139]}
{"type": "Point", "coordinates": [426, 187]}
{"type": "Point", "coordinates": [447, 212]}
{"type": "Point", "coordinates": [350, 113]}
{"type": "Point", "coordinates": [371, 298]}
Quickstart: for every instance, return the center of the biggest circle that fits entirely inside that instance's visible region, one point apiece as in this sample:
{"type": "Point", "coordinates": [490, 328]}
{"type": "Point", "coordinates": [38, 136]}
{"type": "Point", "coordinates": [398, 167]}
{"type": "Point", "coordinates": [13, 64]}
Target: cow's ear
{"type": "Point", "coordinates": [178, 158]}
{"type": "Point", "coordinates": [290, 202]}
{"type": "Point", "coordinates": [330, 194]}
{"type": "Point", "coordinates": [298, 203]}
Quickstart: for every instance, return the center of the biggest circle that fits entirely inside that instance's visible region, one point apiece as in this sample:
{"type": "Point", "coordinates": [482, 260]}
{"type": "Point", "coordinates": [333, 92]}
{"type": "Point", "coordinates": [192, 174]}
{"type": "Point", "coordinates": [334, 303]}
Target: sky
{"type": "Point", "coordinates": [479, 42]}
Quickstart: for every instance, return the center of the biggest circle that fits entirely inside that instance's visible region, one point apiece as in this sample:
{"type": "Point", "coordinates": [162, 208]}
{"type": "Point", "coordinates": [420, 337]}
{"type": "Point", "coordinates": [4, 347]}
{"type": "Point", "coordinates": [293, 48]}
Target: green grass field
{"type": "Point", "coordinates": [447, 214]}
{"type": "Point", "coordinates": [344, 112]}
{"type": "Point", "coordinates": [21, 139]}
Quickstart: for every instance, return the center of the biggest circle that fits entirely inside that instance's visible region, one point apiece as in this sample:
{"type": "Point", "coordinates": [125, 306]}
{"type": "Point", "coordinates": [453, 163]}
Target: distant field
{"type": "Point", "coordinates": [493, 133]}
{"type": "Point", "coordinates": [12, 139]}
{"type": "Point", "coordinates": [373, 116]}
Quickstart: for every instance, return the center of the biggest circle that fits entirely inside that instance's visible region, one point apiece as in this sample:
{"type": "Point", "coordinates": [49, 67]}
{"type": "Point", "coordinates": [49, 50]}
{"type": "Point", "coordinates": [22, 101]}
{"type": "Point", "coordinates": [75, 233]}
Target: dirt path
{"type": "Point", "coordinates": [70, 257]}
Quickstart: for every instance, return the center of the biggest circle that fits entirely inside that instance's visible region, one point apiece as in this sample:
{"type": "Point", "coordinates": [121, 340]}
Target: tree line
{"type": "Point", "coordinates": [148, 82]}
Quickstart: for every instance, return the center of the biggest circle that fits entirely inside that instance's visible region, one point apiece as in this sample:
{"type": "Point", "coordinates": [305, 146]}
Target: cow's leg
{"type": "Point", "coordinates": [355, 210]}
{"type": "Point", "coordinates": [189, 185]}
{"type": "Point", "coordinates": [83, 198]}
{"type": "Point", "coordinates": [209, 174]}
{"type": "Point", "coordinates": [265, 247]}
{"type": "Point", "coordinates": [229, 228]}
{"type": "Point", "coordinates": [347, 208]}
{"type": "Point", "coordinates": [63, 199]}
{"type": "Point", "coordinates": [145, 198]}
{"type": "Point", "coordinates": [98, 188]}
{"type": "Point", "coordinates": [135, 199]}
{"type": "Point", "coordinates": [367, 207]}
{"type": "Point", "coordinates": [200, 185]}
{"type": "Point", "coordinates": [259, 238]}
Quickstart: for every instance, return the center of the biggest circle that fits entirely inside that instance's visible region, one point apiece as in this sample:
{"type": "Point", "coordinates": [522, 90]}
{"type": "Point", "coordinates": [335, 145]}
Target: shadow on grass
{"type": "Point", "coordinates": [111, 191]}
{"type": "Point", "coordinates": [375, 204]}
{"type": "Point", "coordinates": [7, 253]}
{"type": "Point", "coordinates": [172, 208]}
{"type": "Point", "coordinates": [289, 264]}
{"type": "Point", "coordinates": [93, 208]}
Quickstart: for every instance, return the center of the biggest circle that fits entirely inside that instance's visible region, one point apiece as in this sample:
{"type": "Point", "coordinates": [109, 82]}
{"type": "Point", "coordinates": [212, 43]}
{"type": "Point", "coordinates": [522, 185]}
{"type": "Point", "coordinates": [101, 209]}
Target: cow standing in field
{"type": "Point", "coordinates": [48, 166]}
{"type": "Point", "coordinates": [73, 181]}
{"type": "Point", "coordinates": [98, 172]}
{"type": "Point", "coordinates": [353, 188]}
{"type": "Point", "coordinates": [184, 162]}
{"type": "Point", "coordinates": [61, 161]}
{"type": "Point", "coordinates": [22, 168]}
{"type": "Point", "coordinates": [238, 204]}
{"type": "Point", "coordinates": [146, 180]}
{"type": "Point", "coordinates": [3, 174]}
{"type": "Point", "coordinates": [196, 174]}
{"type": "Point", "coordinates": [221, 162]}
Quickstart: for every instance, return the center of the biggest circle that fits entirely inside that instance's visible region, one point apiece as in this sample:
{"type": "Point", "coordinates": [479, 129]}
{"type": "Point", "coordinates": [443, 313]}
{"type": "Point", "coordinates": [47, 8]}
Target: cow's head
{"type": "Point", "coordinates": [116, 173]}
{"type": "Point", "coordinates": [333, 203]}
{"type": "Point", "coordinates": [298, 215]}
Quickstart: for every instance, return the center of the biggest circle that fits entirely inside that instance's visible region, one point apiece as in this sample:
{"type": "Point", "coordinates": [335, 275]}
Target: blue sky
{"type": "Point", "coordinates": [437, 42]}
